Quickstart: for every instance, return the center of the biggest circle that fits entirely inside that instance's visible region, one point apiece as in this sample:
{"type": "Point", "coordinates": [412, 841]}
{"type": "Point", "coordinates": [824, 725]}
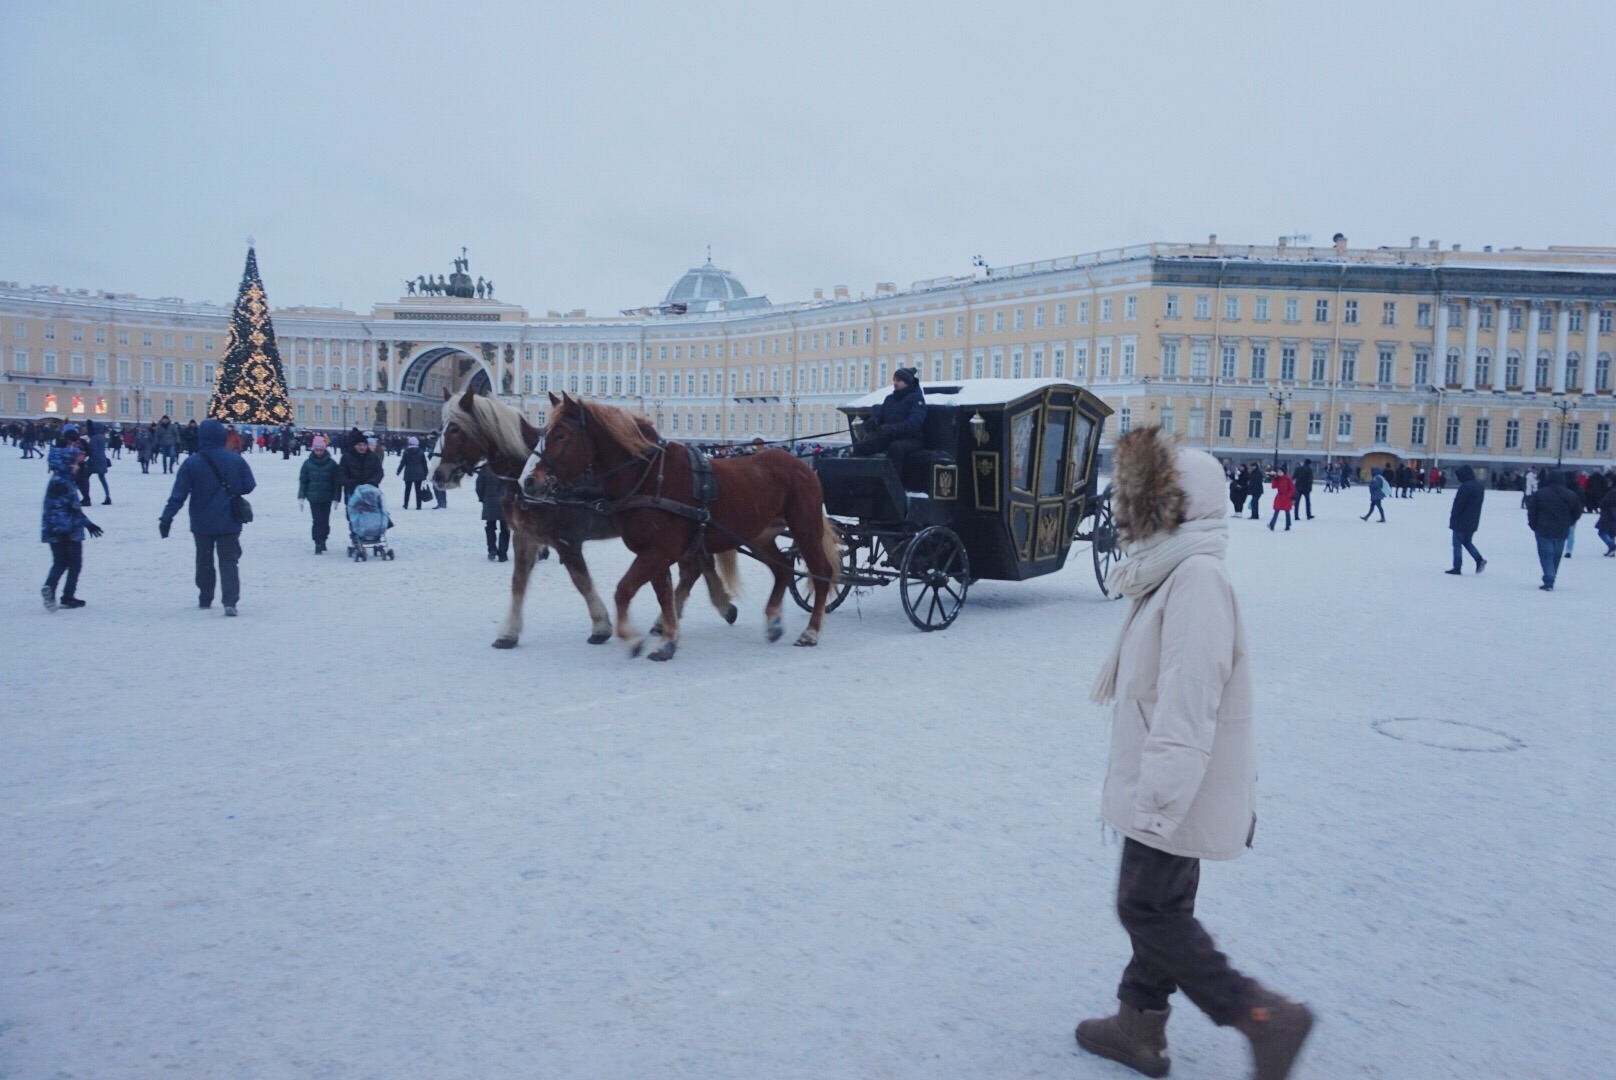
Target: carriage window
{"type": "Point", "coordinates": [1021, 435]}
{"type": "Point", "coordinates": [1080, 450]}
{"type": "Point", "coordinates": [1052, 459]}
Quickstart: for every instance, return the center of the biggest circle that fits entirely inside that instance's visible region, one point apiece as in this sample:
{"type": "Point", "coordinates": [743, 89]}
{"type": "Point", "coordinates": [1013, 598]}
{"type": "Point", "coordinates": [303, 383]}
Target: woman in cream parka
{"type": "Point", "coordinates": [1181, 784]}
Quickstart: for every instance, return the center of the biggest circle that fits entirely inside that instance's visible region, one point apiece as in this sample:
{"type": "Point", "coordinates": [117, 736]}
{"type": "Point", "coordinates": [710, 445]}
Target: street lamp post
{"type": "Point", "coordinates": [793, 400]}
{"type": "Point", "coordinates": [656, 405]}
{"type": "Point", "coordinates": [1433, 435]}
{"type": "Point", "coordinates": [1281, 397]}
{"type": "Point", "coordinates": [1562, 404]}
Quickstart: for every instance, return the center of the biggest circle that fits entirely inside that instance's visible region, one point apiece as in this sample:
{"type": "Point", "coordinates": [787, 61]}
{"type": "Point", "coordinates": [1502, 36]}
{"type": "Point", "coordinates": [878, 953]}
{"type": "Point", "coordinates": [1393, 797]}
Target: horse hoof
{"type": "Point", "coordinates": [599, 637]}
{"type": "Point", "coordinates": [665, 652]}
{"type": "Point", "coordinates": [634, 649]}
{"type": "Point", "coordinates": [504, 643]}
{"type": "Point", "coordinates": [806, 640]}
{"type": "Point", "coordinates": [775, 631]}
{"type": "Point", "coordinates": [731, 614]}
{"type": "Point", "coordinates": [656, 631]}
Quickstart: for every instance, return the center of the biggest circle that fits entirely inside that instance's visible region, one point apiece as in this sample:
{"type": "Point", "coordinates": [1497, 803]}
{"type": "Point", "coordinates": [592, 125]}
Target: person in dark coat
{"type": "Point", "coordinates": [96, 464]}
{"type": "Point", "coordinates": [412, 464]}
{"type": "Point", "coordinates": [319, 482]}
{"type": "Point", "coordinates": [896, 425]}
{"type": "Point", "coordinates": [491, 493]}
{"type": "Point", "coordinates": [1606, 526]}
{"type": "Point", "coordinates": [1465, 518]}
{"type": "Point", "coordinates": [214, 528]}
{"type": "Point", "coordinates": [63, 526]}
{"type": "Point", "coordinates": [1551, 513]}
{"type": "Point", "coordinates": [1254, 490]}
{"type": "Point", "coordinates": [190, 438]}
{"type": "Point", "coordinates": [145, 446]}
{"type": "Point", "coordinates": [168, 443]}
{"type": "Point", "coordinates": [1304, 488]}
{"type": "Point", "coordinates": [1237, 490]}
{"type": "Point", "coordinates": [359, 467]}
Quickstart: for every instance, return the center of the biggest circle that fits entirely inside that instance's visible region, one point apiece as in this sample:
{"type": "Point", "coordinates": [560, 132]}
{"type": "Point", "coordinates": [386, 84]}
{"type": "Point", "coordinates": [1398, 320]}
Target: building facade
{"type": "Point", "coordinates": [1500, 359]}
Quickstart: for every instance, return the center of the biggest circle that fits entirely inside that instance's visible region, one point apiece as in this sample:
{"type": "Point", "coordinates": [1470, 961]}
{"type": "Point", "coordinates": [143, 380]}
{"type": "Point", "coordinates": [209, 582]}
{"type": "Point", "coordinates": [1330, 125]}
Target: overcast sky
{"type": "Point", "coordinates": [587, 154]}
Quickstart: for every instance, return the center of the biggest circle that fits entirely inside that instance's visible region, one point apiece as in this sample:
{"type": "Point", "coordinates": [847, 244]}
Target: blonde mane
{"type": "Point", "coordinates": [498, 423]}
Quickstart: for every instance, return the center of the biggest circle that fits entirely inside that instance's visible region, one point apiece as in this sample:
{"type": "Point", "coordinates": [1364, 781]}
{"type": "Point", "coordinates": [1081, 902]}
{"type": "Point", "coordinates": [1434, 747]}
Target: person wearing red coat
{"type": "Point", "coordinates": [1284, 498]}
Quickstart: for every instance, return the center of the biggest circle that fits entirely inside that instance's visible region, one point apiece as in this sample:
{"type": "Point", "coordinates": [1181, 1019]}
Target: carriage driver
{"type": "Point", "coordinates": [895, 425]}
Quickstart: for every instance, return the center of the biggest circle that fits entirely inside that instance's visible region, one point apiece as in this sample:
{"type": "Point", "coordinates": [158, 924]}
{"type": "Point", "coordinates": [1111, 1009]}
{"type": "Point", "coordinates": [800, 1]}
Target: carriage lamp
{"type": "Point", "coordinates": [979, 429]}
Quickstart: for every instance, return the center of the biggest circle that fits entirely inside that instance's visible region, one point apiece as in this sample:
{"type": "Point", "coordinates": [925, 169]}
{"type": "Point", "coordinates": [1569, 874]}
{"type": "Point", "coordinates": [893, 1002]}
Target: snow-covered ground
{"type": "Point", "coordinates": [340, 836]}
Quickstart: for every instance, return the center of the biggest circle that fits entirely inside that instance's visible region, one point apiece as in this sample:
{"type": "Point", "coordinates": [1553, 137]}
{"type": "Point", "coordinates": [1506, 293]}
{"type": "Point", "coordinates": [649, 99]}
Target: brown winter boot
{"type": "Point", "coordinates": [1277, 1027]}
{"type": "Point", "coordinates": [1135, 1037]}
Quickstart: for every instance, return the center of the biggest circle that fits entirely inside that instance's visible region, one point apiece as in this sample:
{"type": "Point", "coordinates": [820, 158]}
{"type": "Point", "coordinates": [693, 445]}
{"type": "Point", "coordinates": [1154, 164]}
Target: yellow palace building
{"type": "Point", "coordinates": [1501, 359]}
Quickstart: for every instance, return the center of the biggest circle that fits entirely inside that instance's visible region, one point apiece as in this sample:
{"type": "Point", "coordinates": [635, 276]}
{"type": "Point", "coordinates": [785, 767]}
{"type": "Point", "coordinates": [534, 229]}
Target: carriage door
{"type": "Point", "coordinates": [1053, 480]}
{"type": "Point", "coordinates": [1021, 500]}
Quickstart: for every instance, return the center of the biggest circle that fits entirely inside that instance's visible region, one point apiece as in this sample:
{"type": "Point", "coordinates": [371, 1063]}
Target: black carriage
{"type": "Point", "coordinates": [1003, 485]}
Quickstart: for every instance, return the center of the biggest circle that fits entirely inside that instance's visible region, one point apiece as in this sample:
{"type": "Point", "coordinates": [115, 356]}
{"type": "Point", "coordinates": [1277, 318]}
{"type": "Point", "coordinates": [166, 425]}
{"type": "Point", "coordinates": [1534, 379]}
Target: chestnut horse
{"type": "Point", "coordinates": [477, 429]}
{"type": "Point", "coordinates": [650, 485]}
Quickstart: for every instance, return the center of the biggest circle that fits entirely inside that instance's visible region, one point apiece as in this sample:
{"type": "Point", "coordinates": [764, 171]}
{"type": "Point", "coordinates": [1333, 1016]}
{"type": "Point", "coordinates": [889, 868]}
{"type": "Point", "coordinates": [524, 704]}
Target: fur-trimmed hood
{"type": "Point", "coordinates": [1160, 485]}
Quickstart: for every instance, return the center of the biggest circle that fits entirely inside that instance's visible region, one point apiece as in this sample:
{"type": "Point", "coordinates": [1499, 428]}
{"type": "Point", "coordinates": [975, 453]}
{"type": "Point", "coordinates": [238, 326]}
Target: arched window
{"type": "Point", "coordinates": [1545, 364]}
{"type": "Point", "coordinates": [1484, 367]}
{"type": "Point", "coordinates": [1450, 374]}
{"type": "Point", "coordinates": [1573, 370]}
{"type": "Point", "coordinates": [1602, 372]}
{"type": "Point", "coordinates": [319, 377]}
{"type": "Point", "coordinates": [302, 376]}
{"type": "Point", "coordinates": [353, 378]}
{"type": "Point", "coordinates": [1512, 368]}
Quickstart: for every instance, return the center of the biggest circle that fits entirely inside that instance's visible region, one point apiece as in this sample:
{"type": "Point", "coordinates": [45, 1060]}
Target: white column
{"type": "Point", "coordinates": [1562, 334]}
{"type": "Point", "coordinates": [1495, 377]}
{"type": "Point", "coordinates": [1472, 328]}
{"type": "Point", "coordinates": [1439, 376]}
{"type": "Point", "coordinates": [1590, 348]}
{"type": "Point", "coordinates": [1529, 348]}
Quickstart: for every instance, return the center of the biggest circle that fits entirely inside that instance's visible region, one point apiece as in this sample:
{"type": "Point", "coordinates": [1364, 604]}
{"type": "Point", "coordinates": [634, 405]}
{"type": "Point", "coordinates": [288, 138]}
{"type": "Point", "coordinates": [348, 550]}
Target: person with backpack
{"type": "Point", "coordinates": [1377, 494]}
{"type": "Point", "coordinates": [212, 479]}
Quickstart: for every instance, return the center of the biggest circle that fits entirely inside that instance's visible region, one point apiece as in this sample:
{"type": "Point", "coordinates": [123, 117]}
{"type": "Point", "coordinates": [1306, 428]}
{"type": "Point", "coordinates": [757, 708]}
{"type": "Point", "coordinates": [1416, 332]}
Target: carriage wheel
{"type": "Point", "coordinates": [1106, 550]}
{"type": "Point", "coordinates": [935, 575]}
{"type": "Point", "coordinates": [802, 586]}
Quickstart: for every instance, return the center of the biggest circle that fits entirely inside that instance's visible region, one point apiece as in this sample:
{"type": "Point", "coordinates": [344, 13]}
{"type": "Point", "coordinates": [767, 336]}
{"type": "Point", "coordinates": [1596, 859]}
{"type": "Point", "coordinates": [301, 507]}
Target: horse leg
{"type": "Point", "coordinates": [510, 631]}
{"type": "Point", "coordinates": [663, 585]}
{"type": "Point", "coordinates": [780, 567]}
{"type": "Point", "coordinates": [824, 562]}
{"type": "Point", "coordinates": [572, 557]}
{"type": "Point", "coordinates": [644, 567]}
{"type": "Point", "coordinates": [687, 581]}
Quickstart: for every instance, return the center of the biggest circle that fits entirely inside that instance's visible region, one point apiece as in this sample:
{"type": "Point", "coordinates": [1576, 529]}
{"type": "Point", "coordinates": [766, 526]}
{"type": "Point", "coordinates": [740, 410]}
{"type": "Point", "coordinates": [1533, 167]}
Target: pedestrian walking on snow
{"type": "Point", "coordinates": [1304, 489]}
{"type": "Point", "coordinates": [1551, 513]}
{"type": "Point", "coordinates": [211, 479]}
{"type": "Point", "coordinates": [1237, 490]}
{"type": "Point", "coordinates": [491, 493]}
{"type": "Point", "coordinates": [1284, 499]}
{"type": "Point", "coordinates": [1605, 527]}
{"type": "Point", "coordinates": [63, 526]}
{"type": "Point", "coordinates": [1181, 783]}
{"type": "Point", "coordinates": [319, 482]}
{"type": "Point", "coordinates": [96, 464]}
{"type": "Point", "coordinates": [1465, 518]}
{"type": "Point", "coordinates": [1254, 490]}
{"type": "Point", "coordinates": [1377, 495]}
{"type": "Point", "coordinates": [412, 464]}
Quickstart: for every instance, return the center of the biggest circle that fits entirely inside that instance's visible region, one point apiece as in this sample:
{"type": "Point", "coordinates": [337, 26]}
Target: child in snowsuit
{"type": "Point", "coordinates": [63, 526]}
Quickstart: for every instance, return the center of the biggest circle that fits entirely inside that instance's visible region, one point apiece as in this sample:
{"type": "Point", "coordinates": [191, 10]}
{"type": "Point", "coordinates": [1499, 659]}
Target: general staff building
{"type": "Point", "coordinates": [1497, 358]}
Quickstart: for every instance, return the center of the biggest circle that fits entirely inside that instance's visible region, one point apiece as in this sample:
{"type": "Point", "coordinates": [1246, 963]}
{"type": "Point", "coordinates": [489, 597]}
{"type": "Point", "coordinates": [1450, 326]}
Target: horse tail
{"type": "Point", "coordinates": [831, 540]}
{"type": "Point", "coordinates": [728, 566]}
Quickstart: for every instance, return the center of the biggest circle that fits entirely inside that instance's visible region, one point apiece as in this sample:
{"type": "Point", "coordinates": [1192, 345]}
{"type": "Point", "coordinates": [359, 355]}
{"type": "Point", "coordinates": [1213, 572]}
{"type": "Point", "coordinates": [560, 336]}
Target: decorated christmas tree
{"type": "Point", "coordinates": [251, 384]}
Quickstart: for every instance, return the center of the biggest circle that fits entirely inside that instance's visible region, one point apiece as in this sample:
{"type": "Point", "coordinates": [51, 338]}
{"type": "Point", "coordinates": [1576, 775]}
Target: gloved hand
{"type": "Point", "coordinates": [92, 528]}
{"type": "Point", "coordinates": [300, 506]}
{"type": "Point", "coordinates": [163, 525]}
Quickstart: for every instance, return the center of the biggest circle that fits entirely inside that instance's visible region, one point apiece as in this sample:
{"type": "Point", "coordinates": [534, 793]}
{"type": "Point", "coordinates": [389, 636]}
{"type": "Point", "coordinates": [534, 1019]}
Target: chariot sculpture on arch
{"type": "Point", "coordinates": [459, 283]}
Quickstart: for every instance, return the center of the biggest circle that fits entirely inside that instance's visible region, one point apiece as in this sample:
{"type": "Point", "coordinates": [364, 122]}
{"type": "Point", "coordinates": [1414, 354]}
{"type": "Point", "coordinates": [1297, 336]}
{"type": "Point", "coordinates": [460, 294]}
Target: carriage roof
{"type": "Point", "coordinates": [973, 393]}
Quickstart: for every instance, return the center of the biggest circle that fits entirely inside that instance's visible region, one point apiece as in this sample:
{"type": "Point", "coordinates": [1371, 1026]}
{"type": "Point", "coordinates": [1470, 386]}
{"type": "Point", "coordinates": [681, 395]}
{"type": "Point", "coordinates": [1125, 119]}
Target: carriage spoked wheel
{"type": "Point", "coordinates": [1106, 548]}
{"type": "Point", "coordinates": [802, 586]}
{"type": "Point", "coordinates": [934, 577]}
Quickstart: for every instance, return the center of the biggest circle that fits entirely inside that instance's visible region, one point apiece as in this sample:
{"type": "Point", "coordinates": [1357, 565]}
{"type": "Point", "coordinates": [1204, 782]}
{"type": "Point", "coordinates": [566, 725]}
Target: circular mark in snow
{"type": "Point", "coordinates": [1448, 734]}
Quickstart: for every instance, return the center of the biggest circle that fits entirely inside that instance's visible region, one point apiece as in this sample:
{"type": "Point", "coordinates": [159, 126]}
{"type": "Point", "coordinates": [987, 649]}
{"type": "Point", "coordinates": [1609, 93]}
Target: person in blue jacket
{"type": "Point", "coordinates": [214, 527]}
{"type": "Point", "coordinates": [63, 526]}
{"type": "Point", "coordinates": [895, 427]}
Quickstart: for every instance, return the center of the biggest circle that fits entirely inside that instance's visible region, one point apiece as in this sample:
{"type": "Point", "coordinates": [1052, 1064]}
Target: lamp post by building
{"type": "Point", "coordinates": [656, 405]}
{"type": "Point", "coordinates": [1281, 398]}
{"type": "Point", "coordinates": [139, 392]}
{"type": "Point", "coordinates": [1562, 405]}
{"type": "Point", "coordinates": [793, 400]}
{"type": "Point", "coordinates": [1436, 446]}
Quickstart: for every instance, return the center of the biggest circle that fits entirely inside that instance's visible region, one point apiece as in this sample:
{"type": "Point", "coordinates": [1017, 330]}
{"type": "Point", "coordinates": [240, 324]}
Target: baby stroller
{"type": "Point", "coordinates": [368, 522]}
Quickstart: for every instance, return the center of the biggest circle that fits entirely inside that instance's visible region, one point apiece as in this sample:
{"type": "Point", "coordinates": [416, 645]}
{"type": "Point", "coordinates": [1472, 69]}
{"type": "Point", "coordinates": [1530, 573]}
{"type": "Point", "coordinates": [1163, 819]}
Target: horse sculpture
{"type": "Point", "coordinates": [477, 428]}
{"type": "Point", "coordinates": [656, 498]}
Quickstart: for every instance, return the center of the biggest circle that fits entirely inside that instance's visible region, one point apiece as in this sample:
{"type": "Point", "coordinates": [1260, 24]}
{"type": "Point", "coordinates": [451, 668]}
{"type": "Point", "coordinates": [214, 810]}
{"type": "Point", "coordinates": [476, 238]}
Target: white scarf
{"type": "Point", "coordinates": [1148, 564]}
